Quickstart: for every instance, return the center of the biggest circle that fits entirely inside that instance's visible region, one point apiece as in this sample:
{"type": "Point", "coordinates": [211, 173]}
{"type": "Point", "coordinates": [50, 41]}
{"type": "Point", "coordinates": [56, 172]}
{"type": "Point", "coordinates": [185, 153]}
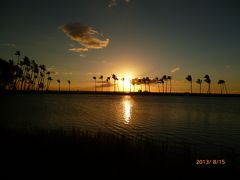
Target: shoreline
{"type": "Point", "coordinates": [121, 93]}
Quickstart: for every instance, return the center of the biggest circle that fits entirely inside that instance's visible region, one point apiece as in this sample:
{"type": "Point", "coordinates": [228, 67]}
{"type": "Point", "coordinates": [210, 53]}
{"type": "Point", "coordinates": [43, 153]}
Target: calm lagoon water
{"type": "Point", "coordinates": [209, 122]}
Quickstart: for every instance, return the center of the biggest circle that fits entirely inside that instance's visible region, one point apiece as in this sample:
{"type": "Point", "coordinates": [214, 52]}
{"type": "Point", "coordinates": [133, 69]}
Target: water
{"type": "Point", "coordinates": [208, 122]}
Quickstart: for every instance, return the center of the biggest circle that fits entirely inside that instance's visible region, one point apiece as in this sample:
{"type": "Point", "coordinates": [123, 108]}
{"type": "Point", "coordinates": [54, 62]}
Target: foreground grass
{"type": "Point", "coordinates": [86, 154]}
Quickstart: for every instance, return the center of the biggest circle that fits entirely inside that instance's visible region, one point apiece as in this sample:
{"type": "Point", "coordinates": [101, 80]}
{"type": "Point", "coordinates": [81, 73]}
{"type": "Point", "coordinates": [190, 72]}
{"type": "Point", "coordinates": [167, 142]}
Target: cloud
{"type": "Point", "coordinates": [78, 49]}
{"type": "Point", "coordinates": [67, 73]}
{"type": "Point", "coordinates": [106, 62]}
{"type": "Point", "coordinates": [228, 66]}
{"type": "Point", "coordinates": [86, 36]}
{"type": "Point", "coordinates": [175, 69]}
{"type": "Point", "coordinates": [52, 70]}
{"type": "Point", "coordinates": [9, 45]}
{"type": "Point", "coordinates": [113, 3]}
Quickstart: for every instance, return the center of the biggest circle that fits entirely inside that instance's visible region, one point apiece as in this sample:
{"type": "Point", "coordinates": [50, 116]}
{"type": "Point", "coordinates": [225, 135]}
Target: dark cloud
{"type": "Point", "coordinates": [84, 35]}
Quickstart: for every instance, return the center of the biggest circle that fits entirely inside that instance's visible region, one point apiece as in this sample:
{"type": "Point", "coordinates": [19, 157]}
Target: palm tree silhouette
{"type": "Point", "coordinates": [170, 80]}
{"type": "Point", "coordinates": [162, 82]}
{"type": "Point", "coordinates": [158, 82]}
{"type": "Point", "coordinates": [222, 85]}
{"type": "Point", "coordinates": [165, 79]}
{"type": "Point", "coordinates": [69, 83]}
{"type": "Point", "coordinates": [94, 77]}
{"type": "Point", "coordinates": [18, 54]}
{"type": "Point", "coordinates": [108, 81]}
{"type": "Point", "coordinates": [114, 79]}
{"type": "Point", "coordinates": [49, 81]}
{"type": "Point", "coordinates": [208, 80]}
{"type": "Point", "coordinates": [148, 81]}
{"type": "Point", "coordinates": [199, 81]}
{"type": "Point", "coordinates": [123, 82]}
{"type": "Point", "coordinates": [58, 81]}
{"type": "Point", "coordinates": [101, 77]}
{"type": "Point", "coordinates": [189, 78]}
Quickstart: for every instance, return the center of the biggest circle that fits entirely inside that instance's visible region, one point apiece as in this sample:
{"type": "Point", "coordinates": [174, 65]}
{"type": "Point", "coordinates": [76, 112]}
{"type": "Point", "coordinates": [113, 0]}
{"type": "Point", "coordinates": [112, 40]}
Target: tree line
{"type": "Point", "coordinates": [164, 83]}
{"type": "Point", "coordinates": [25, 75]}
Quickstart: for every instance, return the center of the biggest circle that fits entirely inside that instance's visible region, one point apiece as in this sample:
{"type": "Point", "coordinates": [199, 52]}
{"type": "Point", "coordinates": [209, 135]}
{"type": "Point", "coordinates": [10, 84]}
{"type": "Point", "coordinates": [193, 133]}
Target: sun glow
{"type": "Point", "coordinates": [124, 82]}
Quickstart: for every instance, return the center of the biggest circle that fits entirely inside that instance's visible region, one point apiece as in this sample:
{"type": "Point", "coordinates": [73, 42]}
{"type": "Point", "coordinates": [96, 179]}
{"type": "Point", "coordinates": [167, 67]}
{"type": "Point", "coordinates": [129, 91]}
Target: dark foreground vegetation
{"type": "Point", "coordinates": [58, 153]}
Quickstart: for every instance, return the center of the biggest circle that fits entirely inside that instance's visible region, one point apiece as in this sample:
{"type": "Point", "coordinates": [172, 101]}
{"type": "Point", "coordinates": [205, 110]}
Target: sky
{"type": "Point", "coordinates": [79, 39]}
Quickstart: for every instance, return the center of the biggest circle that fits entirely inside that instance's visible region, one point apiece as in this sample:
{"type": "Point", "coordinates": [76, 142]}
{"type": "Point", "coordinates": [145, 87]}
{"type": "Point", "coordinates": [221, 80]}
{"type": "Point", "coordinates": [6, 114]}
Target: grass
{"type": "Point", "coordinates": [86, 154]}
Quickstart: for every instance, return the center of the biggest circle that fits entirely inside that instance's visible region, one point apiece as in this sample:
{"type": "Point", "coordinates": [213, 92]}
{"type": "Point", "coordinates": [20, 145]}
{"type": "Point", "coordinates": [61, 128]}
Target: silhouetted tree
{"type": "Point", "coordinates": [158, 82]}
{"type": "Point", "coordinates": [114, 79]}
{"type": "Point", "coordinates": [69, 83]}
{"type": "Point", "coordinates": [199, 81]}
{"type": "Point", "coordinates": [48, 82]}
{"type": "Point", "coordinates": [166, 80]}
{"type": "Point", "coordinates": [189, 78]}
{"type": "Point", "coordinates": [94, 77]}
{"type": "Point", "coordinates": [162, 82]}
{"type": "Point", "coordinates": [208, 80]}
{"type": "Point", "coordinates": [170, 80]}
{"type": "Point", "coordinates": [101, 77]}
{"type": "Point", "coordinates": [108, 81]}
{"type": "Point", "coordinates": [222, 85]}
{"type": "Point", "coordinates": [123, 82]}
{"type": "Point", "coordinates": [58, 81]}
{"type": "Point", "coordinates": [18, 54]}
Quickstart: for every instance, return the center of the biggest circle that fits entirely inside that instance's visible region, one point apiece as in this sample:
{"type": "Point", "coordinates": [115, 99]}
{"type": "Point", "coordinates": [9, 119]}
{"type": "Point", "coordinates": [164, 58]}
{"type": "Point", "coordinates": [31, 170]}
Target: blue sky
{"type": "Point", "coordinates": [145, 38]}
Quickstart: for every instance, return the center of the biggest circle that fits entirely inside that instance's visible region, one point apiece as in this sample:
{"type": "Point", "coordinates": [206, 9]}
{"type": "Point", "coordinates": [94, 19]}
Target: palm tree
{"type": "Point", "coordinates": [162, 82]}
{"type": "Point", "coordinates": [189, 78]}
{"type": "Point", "coordinates": [123, 82]}
{"type": "Point", "coordinates": [17, 53]}
{"type": "Point", "coordinates": [158, 82]}
{"type": "Point", "coordinates": [48, 82]}
{"type": "Point", "coordinates": [108, 81]}
{"type": "Point", "coordinates": [114, 79]}
{"type": "Point", "coordinates": [94, 77]}
{"type": "Point", "coordinates": [148, 81]}
{"type": "Point", "coordinates": [222, 85]}
{"type": "Point", "coordinates": [132, 83]}
{"type": "Point", "coordinates": [69, 83]}
{"type": "Point", "coordinates": [199, 81]}
{"type": "Point", "coordinates": [170, 80]}
{"type": "Point", "coordinates": [58, 81]}
{"type": "Point", "coordinates": [101, 77]}
{"type": "Point", "coordinates": [165, 79]}
{"type": "Point", "coordinates": [208, 80]}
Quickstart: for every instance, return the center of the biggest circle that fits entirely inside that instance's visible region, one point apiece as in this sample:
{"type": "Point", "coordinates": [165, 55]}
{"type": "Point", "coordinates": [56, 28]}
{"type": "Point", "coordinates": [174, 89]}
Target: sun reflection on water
{"type": "Point", "coordinates": [127, 109]}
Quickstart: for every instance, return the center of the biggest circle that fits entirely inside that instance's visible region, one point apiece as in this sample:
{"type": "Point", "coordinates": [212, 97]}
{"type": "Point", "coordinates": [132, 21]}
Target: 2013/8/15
{"type": "Point", "coordinates": [210, 161]}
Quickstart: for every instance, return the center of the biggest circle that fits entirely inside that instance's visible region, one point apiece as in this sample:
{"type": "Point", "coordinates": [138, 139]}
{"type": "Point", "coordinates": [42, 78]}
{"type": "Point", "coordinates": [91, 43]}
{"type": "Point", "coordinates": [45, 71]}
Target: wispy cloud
{"type": "Point", "coordinates": [67, 73]}
{"type": "Point", "coordinates": [52, 70]}
{"type": "Point", "coordinates": [8, 45]}
{"type": "Point", "coordinates": [86, 36]}
{"type": "Point", "coordinates": [106, 62]}
{"type": "Point", "coordinates": [175, 69]}
{"type": "Point", "coordinates": [78, 49]}
{"type": "Point", "coordinates": [113, 3]}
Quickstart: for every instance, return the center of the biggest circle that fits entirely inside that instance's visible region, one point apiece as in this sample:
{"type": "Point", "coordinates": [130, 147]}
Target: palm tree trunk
{"type": "Point", "coordinates": [170, 86]}
{"type": "Point", "coordinates": [191, 87]}
{"type": "Point", "coordinates": [166, 87]}
{"type": "Point", "coordinates": [95, 85]}
{"type": "Point", "coordinates": [102, 85]}
{"type": "Point", "coordinates": [225, 88]}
